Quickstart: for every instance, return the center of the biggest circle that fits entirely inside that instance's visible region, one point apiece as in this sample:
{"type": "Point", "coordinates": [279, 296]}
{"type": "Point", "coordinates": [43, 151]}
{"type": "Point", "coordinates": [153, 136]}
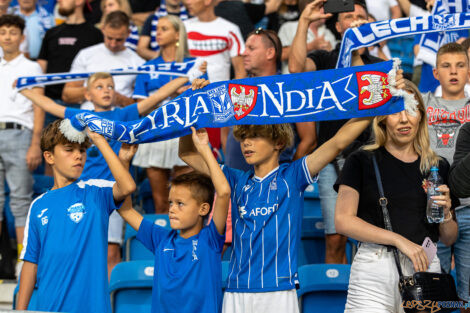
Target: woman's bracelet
{"type": "Point", "coordinates": [448, 219]}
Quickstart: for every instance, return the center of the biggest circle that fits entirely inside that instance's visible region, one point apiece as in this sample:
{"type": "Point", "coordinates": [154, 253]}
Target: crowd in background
{"type": "Point", "coordinates": [237, 39]}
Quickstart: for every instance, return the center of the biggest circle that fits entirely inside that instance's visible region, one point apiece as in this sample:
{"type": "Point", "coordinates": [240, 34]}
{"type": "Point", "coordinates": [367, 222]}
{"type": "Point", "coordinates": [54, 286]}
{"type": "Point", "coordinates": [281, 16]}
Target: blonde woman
{"type": "Point", "coordinates": [108, 6]}
{"type": "Point", "coordinates": [401, 147]}
{"type": "Point", "coordinates": [161, 158]}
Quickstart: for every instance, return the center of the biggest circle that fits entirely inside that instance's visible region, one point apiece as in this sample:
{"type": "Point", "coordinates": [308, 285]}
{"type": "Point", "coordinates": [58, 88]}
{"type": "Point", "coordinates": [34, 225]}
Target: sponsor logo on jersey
{"type": "Point", "coordinates": [76, 212]}
{"type": "Point", "coordinates": [264, 211]}
{"type": "Point", "coordinates": [194, 250]}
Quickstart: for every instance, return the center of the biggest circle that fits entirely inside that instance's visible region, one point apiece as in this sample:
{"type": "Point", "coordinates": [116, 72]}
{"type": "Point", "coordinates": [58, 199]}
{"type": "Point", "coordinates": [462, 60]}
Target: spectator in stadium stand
{"type": "Point", "coordinates": [62, 43]}
{"type": "Point", "coordinates": [299, 61]}
{"type": "Point", "coordinates": [65, 247]}
{"type": "Point", "coordinates": [214, 39]}
{"type": "Point", "coordinates": [38, 21]}
{"type": "Point", "coordinates": [108, 6]}
{"type": "Point", "coordinates": [142, 9]}
{"type": "Point", "coordinates": [4, 4]}
{"type": "Point", "coordinates": [160, 159]}
{"type": "Point", "coordinates": [105, 56]}
{"type": "Point", "coordinates": [404, 157]}
{"type": "Point", "coordinates": [92, 11]}
{"type": "Point", "coordinates": [20, 125]}
{"type": "Point", "coordinates": [148, 47]}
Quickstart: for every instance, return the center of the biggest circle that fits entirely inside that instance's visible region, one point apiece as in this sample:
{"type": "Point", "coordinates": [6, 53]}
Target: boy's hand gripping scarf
{"type": "Point", "coordinates": [314, 96]}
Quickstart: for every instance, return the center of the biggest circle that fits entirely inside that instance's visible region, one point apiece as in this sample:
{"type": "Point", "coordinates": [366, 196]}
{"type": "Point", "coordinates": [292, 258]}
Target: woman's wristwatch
{"type": "Point", "coordinates": [448, 219]}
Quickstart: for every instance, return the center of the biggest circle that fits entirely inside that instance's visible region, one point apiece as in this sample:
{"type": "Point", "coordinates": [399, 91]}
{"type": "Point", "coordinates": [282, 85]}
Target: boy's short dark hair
{"type": "Point", "coordinates": [52, 136]}
{"type": "Point", "coordinates": [12, 20]}
{"type": "Point", "coordinates": [451, 47]}
{"type": "Point", "coordinates": [116, 19]}
{"type": "Point", "coordinates": [276, 133]}
{"type": "Point", "coordinates": [466, 44]}
{"type": "Point", "coordinates": [199, 184]}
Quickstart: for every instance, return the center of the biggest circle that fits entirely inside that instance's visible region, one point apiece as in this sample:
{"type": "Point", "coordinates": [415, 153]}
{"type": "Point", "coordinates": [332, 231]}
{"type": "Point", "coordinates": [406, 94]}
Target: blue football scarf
{"type": "Point", "coordinates": [313, 96]}
{"type": "Point", "coordinates": [170, 68]}
{"type": "Point", "coordinates": [431, 42]}
{"type": "Point", "coordinates": [369, 34]}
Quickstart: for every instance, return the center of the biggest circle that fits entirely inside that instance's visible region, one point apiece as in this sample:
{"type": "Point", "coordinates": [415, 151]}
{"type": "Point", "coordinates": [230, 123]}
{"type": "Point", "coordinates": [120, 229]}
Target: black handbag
{"type": "Point", "coordinates": [422, 290]}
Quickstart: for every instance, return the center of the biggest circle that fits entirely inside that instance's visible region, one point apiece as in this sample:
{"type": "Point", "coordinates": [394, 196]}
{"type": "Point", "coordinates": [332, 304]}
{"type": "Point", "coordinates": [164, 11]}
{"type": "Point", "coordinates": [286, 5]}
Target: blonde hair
{"type": "Point", "coordinates": [96, 76]}
{"type": "Point", "coordinates": [276, 133]}
{"type": "Point", "coordinates": [124, 7]}
{"type": "Point", "coordinates": [182, 49]}
{"type": "Point", "coordinates": [421, 142]}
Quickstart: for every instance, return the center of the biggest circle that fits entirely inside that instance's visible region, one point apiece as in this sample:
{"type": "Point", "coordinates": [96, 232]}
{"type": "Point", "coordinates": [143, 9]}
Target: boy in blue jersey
{"type": "Point", "coordinates": [188, 273]}
{"type": "Point", "coordinates": [267, 205]}
{"type": "Point", "coordinates": [66, 232]}
{"type": "Point", "coordinates": [100, 92]}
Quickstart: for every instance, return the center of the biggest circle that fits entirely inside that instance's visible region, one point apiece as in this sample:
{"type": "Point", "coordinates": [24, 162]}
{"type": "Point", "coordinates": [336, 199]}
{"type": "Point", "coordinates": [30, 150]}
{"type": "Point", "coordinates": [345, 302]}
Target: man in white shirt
{"type": "Point", "coordinates": [20, 124]}
{"type": "Point", "coordinates": [214, 39]}
{"type": "Point", "coordinates": [111, 54]}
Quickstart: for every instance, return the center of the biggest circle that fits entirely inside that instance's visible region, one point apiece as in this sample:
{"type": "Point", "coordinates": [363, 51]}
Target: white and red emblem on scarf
{"type": "Point", "coordinates": [243, 99]}
{"type": "Point", "coordinates": [373, 89]}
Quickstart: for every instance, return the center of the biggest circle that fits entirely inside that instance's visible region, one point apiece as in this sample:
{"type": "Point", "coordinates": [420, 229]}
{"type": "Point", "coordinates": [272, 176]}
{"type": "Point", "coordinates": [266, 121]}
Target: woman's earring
{"type": "Point", "coordinates": [177, 44]}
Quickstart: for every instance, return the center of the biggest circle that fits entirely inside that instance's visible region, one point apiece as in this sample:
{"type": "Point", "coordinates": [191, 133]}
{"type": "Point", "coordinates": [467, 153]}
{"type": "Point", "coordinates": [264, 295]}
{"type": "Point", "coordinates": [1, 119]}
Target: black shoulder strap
{"type": "Point", "coordinates": [383, 204]}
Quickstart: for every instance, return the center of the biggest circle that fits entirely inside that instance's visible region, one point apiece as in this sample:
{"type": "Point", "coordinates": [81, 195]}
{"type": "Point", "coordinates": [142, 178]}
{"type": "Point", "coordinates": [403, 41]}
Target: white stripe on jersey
{"type": "Point", "coordinates": [241, 253]}
{"type": "Point", "coordinates": [26, 229]}
{"type": "Point", "coordinates": [233, 249]}
{"type": "Point", "coordinates": [287, 185]}
{"type": "Point", "coordinates": [249, 260]}
{"type": "Point", "coordinates": [310, 180]}
{"type": "Point", "coordinates": [262, 258]}
{"type": "Point", "coordinates": [277, 247]}
{"type": "Point", "coordinates": [96, 183]}
{"type": "Point", "coordinates": [288, 250]}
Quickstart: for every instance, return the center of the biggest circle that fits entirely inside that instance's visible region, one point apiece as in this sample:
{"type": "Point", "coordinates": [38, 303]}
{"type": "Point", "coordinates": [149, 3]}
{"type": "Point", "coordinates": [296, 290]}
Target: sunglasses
{"type": "Point", "coordinates": [261, 31]}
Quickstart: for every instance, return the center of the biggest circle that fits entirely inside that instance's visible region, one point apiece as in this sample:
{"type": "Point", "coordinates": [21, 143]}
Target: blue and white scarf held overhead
{"type": "Point", "coordinates": [369, 34]}
{"type": "Point", "coordinates": [313, 96]}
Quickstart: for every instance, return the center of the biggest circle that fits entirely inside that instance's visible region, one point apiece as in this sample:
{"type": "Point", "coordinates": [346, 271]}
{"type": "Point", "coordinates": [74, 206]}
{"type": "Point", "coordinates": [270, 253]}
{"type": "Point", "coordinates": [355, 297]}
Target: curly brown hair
{"type": "Point", "coordinates": [276, 133]}
{"type": "Point", "coordinates": [52, 136]}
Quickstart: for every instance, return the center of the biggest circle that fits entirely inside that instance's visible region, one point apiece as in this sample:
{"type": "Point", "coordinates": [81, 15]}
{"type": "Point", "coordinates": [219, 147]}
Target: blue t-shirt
{"type": "Point", "coordinates": [266, 224]}
{"type": "Point", "coordinates": [188, 272]}
{"type": "Point", "coordinates": [147, 84]}
{"type": "Point", "coordinates": [95, 165]}
{"type": "Point", "coordinates": [66, 235]}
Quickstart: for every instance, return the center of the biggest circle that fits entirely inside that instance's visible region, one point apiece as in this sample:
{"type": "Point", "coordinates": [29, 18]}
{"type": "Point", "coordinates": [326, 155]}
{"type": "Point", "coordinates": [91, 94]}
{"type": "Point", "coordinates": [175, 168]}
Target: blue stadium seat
{"type": "Point", "coordinates": [312, 249]}
{"type": "Point", "coordinates": [145, 196]}
{"type": "Point", "coordinates": [133, 249]}
{"type": "Point", "coordinates": [32, 302]}
{"type": "Point", "coordinates": [323, 288]}
{"type": "Point", "coordinates": [42, 183]}
{"type": "Point", "coordinates": [130, 287]}
{"type": "Point", "coordinates": [312, 207]}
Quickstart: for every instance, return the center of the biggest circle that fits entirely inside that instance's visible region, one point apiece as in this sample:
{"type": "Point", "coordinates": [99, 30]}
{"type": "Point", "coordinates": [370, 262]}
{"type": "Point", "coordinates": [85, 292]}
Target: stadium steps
{"type": "Point", "coordinates": [7, 288]}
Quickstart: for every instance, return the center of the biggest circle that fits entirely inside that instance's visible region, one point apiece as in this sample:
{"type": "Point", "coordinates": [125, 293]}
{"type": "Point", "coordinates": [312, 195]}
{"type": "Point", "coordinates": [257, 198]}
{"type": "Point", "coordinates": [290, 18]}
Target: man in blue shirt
{"type": "Point", "coordinates": [188, 272]}
{"type": "Point", "coordinates": [65, 241]}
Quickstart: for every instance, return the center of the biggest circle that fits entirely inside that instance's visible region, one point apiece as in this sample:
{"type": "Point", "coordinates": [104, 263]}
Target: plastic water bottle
{"type": "Point", "coordinates": [434, 212]}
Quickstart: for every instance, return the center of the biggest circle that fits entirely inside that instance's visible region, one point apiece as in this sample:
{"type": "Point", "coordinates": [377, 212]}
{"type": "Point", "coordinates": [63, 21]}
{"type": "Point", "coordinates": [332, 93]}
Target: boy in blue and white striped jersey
{"type": "Point", "coordinates": [267, 205]}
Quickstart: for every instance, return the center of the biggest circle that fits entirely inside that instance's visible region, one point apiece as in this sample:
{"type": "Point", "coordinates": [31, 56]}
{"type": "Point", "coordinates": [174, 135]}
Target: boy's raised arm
{"type": "Point", "coordinates": [125, 184]}
{"type": "Point", "coordinates": [45, 103]}
{"type": "Point", "coordinates": [222, 187]}
{"type": "Point", "coordinates": [27, 282]}
{"type": "Point", "coordinates": [127, 212]}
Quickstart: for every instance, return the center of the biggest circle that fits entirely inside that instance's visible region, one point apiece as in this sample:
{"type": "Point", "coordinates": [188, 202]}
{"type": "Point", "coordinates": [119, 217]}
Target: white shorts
{"type": "Point", "coordinates": [115, 228]}
{"type": "Point", "coordinates": [285, 301]}
{"type": "Point", "coordinates": [373, 283]}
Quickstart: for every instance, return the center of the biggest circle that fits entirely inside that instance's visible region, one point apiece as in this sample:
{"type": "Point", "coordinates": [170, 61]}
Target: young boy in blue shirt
{"type": "Point", "coordinates": [66, 232]}
{"type": "Point", "coordinates": [267, 205]}
{"type": "Point", "coordinates": [100, 92]}
{"type": "Point", "coordinates": [188, 272]}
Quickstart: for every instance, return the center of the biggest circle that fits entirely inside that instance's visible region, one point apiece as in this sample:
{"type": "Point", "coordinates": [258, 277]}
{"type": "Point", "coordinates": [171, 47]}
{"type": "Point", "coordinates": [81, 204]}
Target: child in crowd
{"type": "Point", "coordinates": [100, 91]}
{"type": "Point", "coordinates": [267, 205]}
{"type": "Point", "coordinates": [188, 270]}
{"type": "Point", "coordinates": [66, 233]}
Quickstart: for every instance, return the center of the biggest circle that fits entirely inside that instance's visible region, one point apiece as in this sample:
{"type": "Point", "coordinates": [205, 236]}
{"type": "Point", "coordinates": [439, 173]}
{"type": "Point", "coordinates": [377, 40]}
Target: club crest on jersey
{"type": "Point", "coordinates": [373, 89]}
{"type": "Point", "coordinates": [243, 99]}
{"type": "Point", "coordinates": [76, 212]}
{"type": "Point", "coordinates": [241, 211]}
